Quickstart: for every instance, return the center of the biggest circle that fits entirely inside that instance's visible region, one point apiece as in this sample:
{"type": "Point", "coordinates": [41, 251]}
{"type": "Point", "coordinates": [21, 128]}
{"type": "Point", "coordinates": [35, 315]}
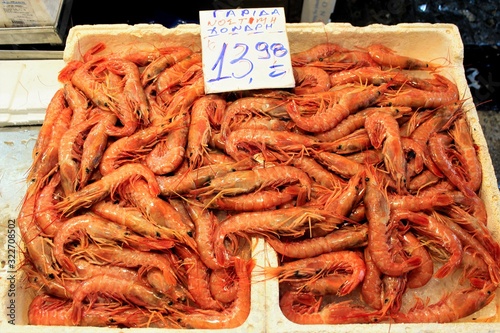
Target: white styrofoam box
{"type": "Point", "coordinates": [439, 43]}
{"type": "Point", "coordinates": [26, 88]}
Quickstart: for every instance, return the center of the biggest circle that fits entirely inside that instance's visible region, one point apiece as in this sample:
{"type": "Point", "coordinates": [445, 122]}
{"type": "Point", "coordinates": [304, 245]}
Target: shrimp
{"type": "Point", "coordinates": [347, 263]}
{"type": "Point", "coordinates": [318, 173]}
{"type": "Point", "coordinates": [78, 102]}
{"type": "Point", "coordinates": [380, 225]}
{"type": "Point", "coordinates": [271, 107]}
{"type": "Point", "coordinates": [52, 115]}
{"type": "Point", "coordinates": [232, 316]}
{"type": "Point", "coordinates": [86, 81]}
{"type": "Point", "coordinates": [155, 67]}
{"type": "Point", "coordinates": [45, 163]}
{"type": "Point", "coordinates": [38, 247]}
{"type": "Point", "coordinates": [452, 306]}
{"type": "Point", "coordinates": [340, 204]}
{"type": "Point", "coordinates": [198, 280]}
{"type": "Point", "coordinates": [158, 211]}
{"type": "Point", "coordinates": [132, 218]}
{"type": "Point", "coordinates": [438, 147]}
{"type": "Point", "coordinates": [224, 284]}
{"type": "Point", "coordinates": [253, 201]}
{"type": "Point", "coordinates": [200, 128]}
{"type": "Point", "coordinates": [305, 308]}
{"type": "Point", "coordinates": [419, 276]}
{"type": "Point", "coordinates": [430, 227]}
{"type": "Point", "coordinates": [107, 185]}
{"type": "Point", "coordinates": [133, 92]}
{"type": "Point", "coordinates": [205, 222]}
{"type": "Point", "coordinates": [309, 80]}
{"type": "Point", "coordinates": [471, 242]}
{"type": "Point", "coordinates": [46, 216]}
{"type": "Point", "coordinates": [417, 98]}
{"type": "Point", "coordinates": [98, 229]}
{"type": "Point", "coordinates": [315, 53]}
{"type": "Point", "coordinates": [357, 120]}
{"type": "Point", "coordinates": [121, 289]}
{"type": "Point", "coordinates": [383, 130]}
{"type": "Point", "coordinates": [170, 77]}
{"type": "Point", "coordinates": [440, 119]}
{"type": "Point", "coordinates": [285, 221]}
{"type": "Point", "coordinates": [93, 148]}
{"type": "Point", "coordinates": [330, 116]}
{"type": "Point", "coordinates": [242, 143]}
{"type": "Point", "coordinates": [355, 142]}
{"type": "Point", "coordinates": [464, 144]}
{"type": "Point", "coordinates": [183, 182]}
{"type": "Point", "coordinates": [168, 154]}
{"type": "Point", "coordinates": [371, 287]}
{"type": "Point", "coordinates": [347, 237]}
{"type": "Point", "coordinates": [421, 201]}
{"type": "Point", "coordinates": [245, 181]}
{"type": "Point", "coordinates": [48, 310]}
{"type": "Point", "coordinates": [387, 57]}
{"type": "Point", "coordinates": [68, 156]}
{"type": "Point", "coordinates": [133, 144]}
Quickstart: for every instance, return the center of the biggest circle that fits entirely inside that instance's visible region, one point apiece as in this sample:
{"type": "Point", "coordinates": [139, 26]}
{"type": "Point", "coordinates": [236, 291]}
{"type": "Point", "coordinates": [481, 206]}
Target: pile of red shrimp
{"type": "Point", "coordinates": [144, 193]}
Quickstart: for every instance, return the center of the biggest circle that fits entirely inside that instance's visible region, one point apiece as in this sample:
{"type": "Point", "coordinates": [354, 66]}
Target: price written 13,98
{"type": "Point", "coordinates": [240, 61]}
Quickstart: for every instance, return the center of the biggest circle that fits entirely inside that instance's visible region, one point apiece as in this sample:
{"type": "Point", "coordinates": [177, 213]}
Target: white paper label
{"type": "Point", "coordinates": [245, 49]}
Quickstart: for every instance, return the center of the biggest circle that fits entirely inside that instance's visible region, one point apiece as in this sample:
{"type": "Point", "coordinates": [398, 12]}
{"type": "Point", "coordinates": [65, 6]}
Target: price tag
{"type": "Point", "coordinates": [245, 49]}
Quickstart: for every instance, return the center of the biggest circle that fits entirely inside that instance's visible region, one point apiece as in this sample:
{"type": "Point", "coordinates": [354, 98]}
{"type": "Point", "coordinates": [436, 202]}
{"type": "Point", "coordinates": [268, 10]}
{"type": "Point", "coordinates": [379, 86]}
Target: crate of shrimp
{"type": "Point", "coordinates": [363, 195]}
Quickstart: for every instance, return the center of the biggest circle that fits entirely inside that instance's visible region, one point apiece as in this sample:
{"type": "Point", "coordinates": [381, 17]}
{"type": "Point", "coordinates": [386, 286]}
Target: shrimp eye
{"type": "Point", "coordinates": [111, 320]}
{"type": "Point", "coordinates": [51, 276]}
{"type": "Point", "coordinates": [158, 234]}
{"type": "Point", "coordinates": [367, 179]}
{"type": "Point", "coordinates": [190, 233]}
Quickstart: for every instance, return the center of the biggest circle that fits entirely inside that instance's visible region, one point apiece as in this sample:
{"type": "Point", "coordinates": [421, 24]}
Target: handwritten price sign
{"type": "Point", "coordinates": [245, 49]}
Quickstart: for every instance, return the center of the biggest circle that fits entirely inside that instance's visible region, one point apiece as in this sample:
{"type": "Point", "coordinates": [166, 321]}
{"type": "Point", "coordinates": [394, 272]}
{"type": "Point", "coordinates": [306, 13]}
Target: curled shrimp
{"type": "Point", "coordinates": [445, 237]}
{"type": "Point", "coordinates": [224, 284]}
{"type": "Point", "coordinates": [419, 276]}
{"type": "Point", "coordinates": [137, 142]}
{"type": "Point", "coordinates": [232, 316]}
{"type": "Point", "coordinates": [107, 185]}
{"type": "Point", "coordinates": [310, 80]}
